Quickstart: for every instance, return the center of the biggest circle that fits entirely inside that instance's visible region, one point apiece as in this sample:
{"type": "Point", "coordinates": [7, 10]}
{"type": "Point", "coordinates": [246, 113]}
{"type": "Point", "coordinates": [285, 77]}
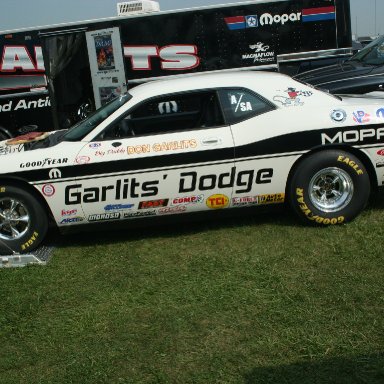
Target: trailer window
{"type": "Point", "coordinates": [171, 113]}
{"type": "Point", "coordinates": [242, 104]}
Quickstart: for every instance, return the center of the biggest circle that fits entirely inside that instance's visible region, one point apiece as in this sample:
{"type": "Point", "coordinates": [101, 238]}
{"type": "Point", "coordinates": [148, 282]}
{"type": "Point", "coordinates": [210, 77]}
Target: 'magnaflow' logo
{"type": "Point", "coordinates": [261, 53]}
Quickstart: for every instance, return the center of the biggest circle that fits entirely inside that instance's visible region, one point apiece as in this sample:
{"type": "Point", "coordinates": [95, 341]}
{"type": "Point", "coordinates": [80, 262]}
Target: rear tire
{"type": "Point", "coordinates": [330, 187]}
{"type": "Point", "coordinates": [23, 220]}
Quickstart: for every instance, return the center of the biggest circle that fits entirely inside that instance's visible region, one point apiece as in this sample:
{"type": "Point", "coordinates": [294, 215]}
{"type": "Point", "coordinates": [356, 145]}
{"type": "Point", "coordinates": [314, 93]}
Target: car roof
{"type": "Point", "coordinates": [249, 79]}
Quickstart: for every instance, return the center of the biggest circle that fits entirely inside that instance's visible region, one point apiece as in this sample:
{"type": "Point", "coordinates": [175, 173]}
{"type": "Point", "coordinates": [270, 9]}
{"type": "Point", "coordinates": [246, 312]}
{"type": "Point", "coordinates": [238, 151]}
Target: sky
{"type": "Point", "coordinates": [15, 14]}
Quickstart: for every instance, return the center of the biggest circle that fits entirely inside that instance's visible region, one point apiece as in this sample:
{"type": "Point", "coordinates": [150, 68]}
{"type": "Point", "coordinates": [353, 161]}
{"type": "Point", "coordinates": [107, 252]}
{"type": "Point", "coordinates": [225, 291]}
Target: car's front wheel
{"type": "Point", "coordinates": [329, 187]}
{"type": "Point", "coordinates": [23, 220]}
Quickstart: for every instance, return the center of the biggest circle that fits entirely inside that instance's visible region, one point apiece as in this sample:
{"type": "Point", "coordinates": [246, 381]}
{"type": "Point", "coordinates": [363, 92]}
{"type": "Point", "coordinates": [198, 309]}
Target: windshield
{"type": "Point", "coordinates": [372, 54]}
{"type": "Point", "coordinates": [82, 128]}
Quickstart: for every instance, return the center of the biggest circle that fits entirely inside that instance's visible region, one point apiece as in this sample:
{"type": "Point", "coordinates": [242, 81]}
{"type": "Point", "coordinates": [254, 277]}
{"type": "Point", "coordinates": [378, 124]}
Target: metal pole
{"type": "Point", "coordinates": [375, 18]}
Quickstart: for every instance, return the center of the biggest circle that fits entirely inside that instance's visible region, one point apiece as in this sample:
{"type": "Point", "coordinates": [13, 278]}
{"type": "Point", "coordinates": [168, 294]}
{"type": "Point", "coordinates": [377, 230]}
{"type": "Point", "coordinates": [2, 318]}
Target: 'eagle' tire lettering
{"type": "Point", "coordinates": [329, 188]}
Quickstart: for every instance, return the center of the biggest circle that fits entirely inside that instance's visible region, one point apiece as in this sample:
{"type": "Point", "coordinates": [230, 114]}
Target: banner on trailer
{"type": "Point", "coordinates": [107, 64]}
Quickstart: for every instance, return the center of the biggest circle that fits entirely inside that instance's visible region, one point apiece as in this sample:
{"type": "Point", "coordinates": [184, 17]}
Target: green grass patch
{"type": "Point", "coordinates": [236, 299]}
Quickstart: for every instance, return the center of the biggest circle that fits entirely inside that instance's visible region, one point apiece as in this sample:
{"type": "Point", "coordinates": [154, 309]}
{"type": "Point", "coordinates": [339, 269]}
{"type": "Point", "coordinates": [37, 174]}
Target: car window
{"type": "Point", "coordinates": [84, 127]}
{"type": "Point", "coordinates": [170, 113]}
{"type": "Point", "coordinates": [241, 104]}
{"type": "Point", "coordinates": [372, 54]}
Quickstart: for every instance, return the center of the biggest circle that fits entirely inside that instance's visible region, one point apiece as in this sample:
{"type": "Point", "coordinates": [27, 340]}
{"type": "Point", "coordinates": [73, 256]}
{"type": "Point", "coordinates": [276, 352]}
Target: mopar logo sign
{"type": "Point", "coordinates": [268, 19]}
{"type": "Point", "coordinates": [353, 136]}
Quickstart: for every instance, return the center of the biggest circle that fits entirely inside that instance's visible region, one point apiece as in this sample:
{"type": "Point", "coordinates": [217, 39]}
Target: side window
{"type": "Point", "coordinates": [241, 104]}
{"type": "Point", "coordinates": [170, 113]}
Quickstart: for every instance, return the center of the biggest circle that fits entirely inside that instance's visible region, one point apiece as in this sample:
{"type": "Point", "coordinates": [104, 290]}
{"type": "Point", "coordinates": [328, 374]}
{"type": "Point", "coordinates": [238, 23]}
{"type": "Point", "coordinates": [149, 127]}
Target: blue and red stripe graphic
{"type": "Point", "coordinates": [318, 14]}
{"type": "Point", "coordinates": [235, 22]}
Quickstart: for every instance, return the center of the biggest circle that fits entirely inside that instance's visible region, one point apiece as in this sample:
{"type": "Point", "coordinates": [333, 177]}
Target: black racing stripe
{"type": "Point", "coordinates": [288, 143]}
{"type": "Point", "coordinates": [126, 165]}
{"type": "Point", "coordinates": [300, 141]}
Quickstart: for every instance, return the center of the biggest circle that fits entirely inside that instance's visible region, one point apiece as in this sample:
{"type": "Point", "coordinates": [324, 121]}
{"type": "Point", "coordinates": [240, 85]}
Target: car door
{"type": "Point", "coordinates": [168, 154]}
{"type": "Point", "coordinates": [260, 174]}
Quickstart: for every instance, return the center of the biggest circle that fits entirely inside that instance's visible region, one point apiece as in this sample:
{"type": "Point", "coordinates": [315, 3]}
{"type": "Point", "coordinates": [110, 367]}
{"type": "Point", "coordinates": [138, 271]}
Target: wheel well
{"type": "Point", "coordinates": [28, 187]}
{"type": "Point", "coordinates": [356, 152]}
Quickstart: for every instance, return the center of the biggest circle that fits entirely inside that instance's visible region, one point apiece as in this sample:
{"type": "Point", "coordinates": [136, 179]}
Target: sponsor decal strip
{"type": "Point", "coordinates": [284, 144]}
{"type": "Point", "coordinates": [236, 22]}
{"type": "Point", "coordinates": [318, 14]}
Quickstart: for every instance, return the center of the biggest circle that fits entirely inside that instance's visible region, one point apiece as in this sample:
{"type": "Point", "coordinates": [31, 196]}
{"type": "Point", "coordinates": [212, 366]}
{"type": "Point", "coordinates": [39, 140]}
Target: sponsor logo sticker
{"type": "Point", "coordinates": [94, 145]}
{"type": "Point", "coordinates": [251, 21]}
{"type": "Point", "coordinates": [71, 220]}
{"type": "Point", "coordinates": [82, 160]}
{"type": "Point", "coordinates": [274, 198]}
{"type": "Point", "coordinates": [140, 214]}
{"type": "Point", "coordinates": [104, 216]}
{"type": "Point", "coordinates": [42, 163]}
{"type": "Point", "coordinates": [118, 207]}
{"type": "Point", "coordinates": [293, 99]}
{"type": "Point", "coordinates": [261, 53]}
{"type": "Point", "coordinates": [188, 200]}
{"type": "Point", "coordinates": [361, 117]}
{"type": "Point", "coordinates": [170, 210]}
{"type": "Point", "coordinates": [380, 113]}
{"type": "Point", "coordinates": [268, 19]}
{"type": "Point", "coordinates": [68, 212]}
{"type": "Point", "coordinates": [48, 190]}
{"type": "Point", "coordinates": [217, 201]}
{"type": "Point", "coordinates": [338, 115]}
{"type": "Point", "coordinates": [380, 152]}
{"type": "Point", "coordinates": [55, 173]}
{"type": "Point", "coordinates": [153, 203]}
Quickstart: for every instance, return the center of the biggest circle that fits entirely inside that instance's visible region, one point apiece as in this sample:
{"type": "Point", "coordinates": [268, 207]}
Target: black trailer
{"type": "Point", "coordinates": [51, 76]}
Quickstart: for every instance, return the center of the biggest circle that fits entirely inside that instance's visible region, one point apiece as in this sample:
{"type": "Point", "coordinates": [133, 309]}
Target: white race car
{"type": "Point", "coordinates": [200, 142]}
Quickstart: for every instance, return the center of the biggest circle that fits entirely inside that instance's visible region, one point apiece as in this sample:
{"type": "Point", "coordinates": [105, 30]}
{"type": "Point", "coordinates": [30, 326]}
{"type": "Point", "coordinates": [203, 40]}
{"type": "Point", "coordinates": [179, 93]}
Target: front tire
{"type": "Point", "coordinates": [329, 187]}
{"type": "Point", "coordinates": [23, 221]}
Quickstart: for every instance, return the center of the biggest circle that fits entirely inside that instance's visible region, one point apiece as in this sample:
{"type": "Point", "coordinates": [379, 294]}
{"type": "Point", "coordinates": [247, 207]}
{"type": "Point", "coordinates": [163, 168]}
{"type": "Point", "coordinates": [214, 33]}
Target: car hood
{"type": "Point", "coordinates": [332, 73]}
{"type": "Point", "coordinates": [51, 140]}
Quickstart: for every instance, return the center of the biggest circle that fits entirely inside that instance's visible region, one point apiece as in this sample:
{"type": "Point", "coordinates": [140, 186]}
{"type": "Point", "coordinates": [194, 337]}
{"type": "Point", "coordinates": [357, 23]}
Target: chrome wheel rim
{"type": "Point", "coordinates": [14, 219]}
{"type": "Point", "coordinates": [331, 189]}
{"type": "Point", "coordinates": [84, 110]}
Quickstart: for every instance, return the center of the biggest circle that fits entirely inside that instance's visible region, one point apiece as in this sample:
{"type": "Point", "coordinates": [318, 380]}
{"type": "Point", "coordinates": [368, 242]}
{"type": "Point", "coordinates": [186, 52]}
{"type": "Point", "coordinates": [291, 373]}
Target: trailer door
{"type": "Point", "coordinates": [107, 64]}
{"type": "Point", "coordinates": [69, 78]}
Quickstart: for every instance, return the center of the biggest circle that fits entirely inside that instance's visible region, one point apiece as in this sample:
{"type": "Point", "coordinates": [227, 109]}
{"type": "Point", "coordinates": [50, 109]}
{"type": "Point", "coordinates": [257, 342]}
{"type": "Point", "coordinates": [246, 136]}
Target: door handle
{"type": "Point", "coordinates": [211, 141]}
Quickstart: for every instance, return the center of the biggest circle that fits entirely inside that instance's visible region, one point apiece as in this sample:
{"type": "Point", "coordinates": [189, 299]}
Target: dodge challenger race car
{"type": "Point", "coordinates": [201, 142]}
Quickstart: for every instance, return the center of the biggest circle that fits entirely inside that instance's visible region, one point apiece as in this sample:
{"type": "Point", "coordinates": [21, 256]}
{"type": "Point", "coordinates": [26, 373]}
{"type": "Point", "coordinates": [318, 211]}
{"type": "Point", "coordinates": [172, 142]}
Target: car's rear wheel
{"type": "Point", "coordinates": [329, 187]}
{"type": "Point", "coordinates": [23, 220]}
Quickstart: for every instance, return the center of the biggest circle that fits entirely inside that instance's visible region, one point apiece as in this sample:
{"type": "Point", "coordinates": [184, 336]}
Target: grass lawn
{"type": "Point", "coordinates": [241, 299]}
